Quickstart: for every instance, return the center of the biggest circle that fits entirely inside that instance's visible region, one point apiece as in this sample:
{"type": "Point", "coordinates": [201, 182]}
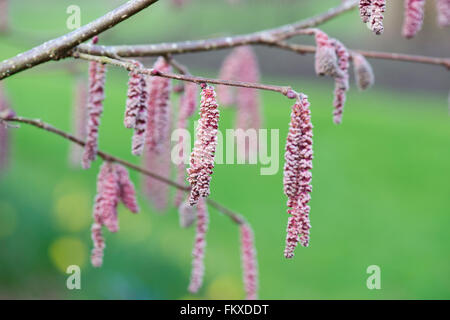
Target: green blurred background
{"type": "Point", "coordinates": [381, 180]}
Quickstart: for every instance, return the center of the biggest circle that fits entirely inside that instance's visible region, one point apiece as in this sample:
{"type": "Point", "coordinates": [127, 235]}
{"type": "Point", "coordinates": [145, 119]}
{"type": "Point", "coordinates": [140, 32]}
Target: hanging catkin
{"type": "Point", "coordinates": [413, 20]}
{"type": "Point", "coordinates": [113, 185]}
{"type": "Point", "coordinates": [96, 95]}
{"type": "Point", "coordinates": [297, 175]}
{"type": "Point", "coordinates": [202, 156]}
{"type": "Point", "coordinates": [198, 252]}
{"type": "Point", "coordinates": [364, 76]}
{"type": "Point", "coordinates": [443, 13]}
{"type": "Point", "coordinates": [341, 81]}
{"type": "Point", "coordinates": [188, 104]}
{"type": "Point", "coordinates": [79, 120]}
{"type": "Point", "coordinates": [375, 23]}
{"type": "Point", "coordinates": [249, 262]}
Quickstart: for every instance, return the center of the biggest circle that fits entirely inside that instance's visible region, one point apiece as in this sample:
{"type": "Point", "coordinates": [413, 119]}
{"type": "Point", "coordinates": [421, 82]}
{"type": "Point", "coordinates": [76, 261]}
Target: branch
{"type": "Point", "coordinates": [235, 217]}
{"type": "Point", "coordinates": [266, 37]}
{"type": "Point", "coordinates": [303, 49]}
{"type": "Point", "coordinates": [60, 47]}
{"type": "Point", "coordinates": [285, 90]}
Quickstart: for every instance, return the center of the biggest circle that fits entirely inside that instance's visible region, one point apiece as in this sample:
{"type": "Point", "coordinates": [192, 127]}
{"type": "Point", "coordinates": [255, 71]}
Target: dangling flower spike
{"type": "Point", "coordinates": [364, 76]}
{"type": "Point", "coordinates": [325, 58]}
{"type": "Point", "coordinates": [113, 185]}
{"type": "Point", "coordinates": [443, 13]}
{"type": "Point", "coordinates": [414, 13]}
{"type": "Point", "coordinates": [249, 262]}
{"type": "Point", "coordinates": [202, 156]}
{"type": "Point", "coordinates": [376, 16]}
{"type": "Point", "coordinates": [198, 253]}
{"type": "Point", "coordinates": [297, 175]}
{"type": "Point", "coordinates": [188, 104]}
{"type": "Point", "coordinates": [79, 118]}
{"type": "Point", "coordinates": [157, 154]}
{"type": "Point", "coordinates": [341, 81]}
{"type": "Point", "coordinates": [95, 108]}
{"type": "Point", "coordinates": [365, 10]}
{"type": "Point", "coordinates": [5, 112]}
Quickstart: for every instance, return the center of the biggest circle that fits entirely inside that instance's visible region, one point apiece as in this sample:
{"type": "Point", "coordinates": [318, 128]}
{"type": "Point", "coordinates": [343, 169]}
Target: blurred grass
{"type": "Point", "coordinates": [380, 197]}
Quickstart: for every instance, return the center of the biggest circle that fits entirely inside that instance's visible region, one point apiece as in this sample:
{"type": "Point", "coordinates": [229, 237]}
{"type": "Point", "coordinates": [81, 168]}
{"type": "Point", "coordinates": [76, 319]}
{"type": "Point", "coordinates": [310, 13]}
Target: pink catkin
{"type": "Point", "coordinates": [202, 157]}
{"type": "Point", "coordinates": [443, 13]}
{"type": "Point", "coordinates": [198, 252]}
{"type": "Point", "coordinates": [5, 111]}
{"type": "Point", "coordinates": [155, 190]}
{"type": "Point", "coordinates": [4, 19]}
{"type": "Point", "coordinates": [113, 185]}
{"type": "Point", "coordinates": [341, 81]}
{"type": "Point", "coordinates": [186, 214]}
{"type": "Point", "coordinates": [133, 98]}
{"type": "Point", "coordinates": [413, 20]}
{"type": "Point", "coordinates": [158, 124]}
{"type": "Point", "coordinates": [297, 175]}
{"type": "Point", "coordinates": [365, 8]}
{"type": "Point", "coordinates": [364, 76]}
{"type": "Point", "coordinates": [248, 100]}
{"type": "Point", "coordinates": [249, 262]}
{"type": "Point", "coordinates": [105, 210]}
{"type": "Point", "coordinates": [378, 8]}
{"type": "Point", "coordinates": [79, 119]}
{"type": "Point", "coordinates": [95, 109]}
{"type": "Point", "coordinates": [108, 193]}
{"type": "Point", "coordinates": [229, 71]}
{"type": "Point", "coordinates": [325, 57]}
{"type": "Point", "coordinates": [188, 104]}
{"type": "Point", "coordinates": [157, 153]}
{"type": "Point", "coordinates": [127, 191]}
{"type": "Point", "coordinates": [140, 129]}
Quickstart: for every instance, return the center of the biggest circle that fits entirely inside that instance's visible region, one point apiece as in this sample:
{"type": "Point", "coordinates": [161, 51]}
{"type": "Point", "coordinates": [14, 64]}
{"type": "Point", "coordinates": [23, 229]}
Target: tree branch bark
{"type": "Point", "coordinates": [235, 217]}
{"type": "Point", "coordinates": [60, 47]}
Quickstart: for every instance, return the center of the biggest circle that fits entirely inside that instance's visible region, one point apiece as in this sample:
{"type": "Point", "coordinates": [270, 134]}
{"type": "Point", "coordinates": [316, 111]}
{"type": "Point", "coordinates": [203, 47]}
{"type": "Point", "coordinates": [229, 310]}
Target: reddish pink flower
{"type": "Point", "coordinates": [113, 184]}
{"type": "Point", "coordinates": [248, 100]}
{"type": "Point", "coordinates": [108, 192]}
{"type": "Point", "coordinates": [198, 253]}
{"type": "Point", "coordinates": [443, 12]}
{"type": "Point", "coordinates": [229, 71]}
{"type": "Point", "coordinates": [249, 262]}
{"type": "Point", "coordinates": [188, 104]}
{"type": "Point", "coordinates": [99, 243]}
{"type": "Point", "coordinates": [414, 13]}
{"type": "Point", "coordinates": [5, 112]}
{"type": "Point", "coordinates": [325, 58]}
{"type": "Point", "coordinates": [186, 214]}
{"type": "Point", "coordinates": [297, 175]}
{"type": "Point", "coordinates": [4, 13]}
{"type": "Point", "coordinates": [376, 16]}
{"type": "Point", "coordinates": [202, 157]}
{"type": "Point", "coordinates": [79, 119]}
{"type": "Point", "coordinates": [140, 128]}
{"type": "Point", "coordinates": [341, 81]}
{"type": "Point", "coordinates": [95, 109]}
{"type": "Point", "coordinates": [365, 9]}
{"type": "Point", "coordinates": [158, 124]}
{"type": "Point", "coordinates": [127, 192]}
{"type": "Point", "coordinates": [364, 76]}
{"type": "Point", "coordinates": [155, 190]}
{"type": "Point", "coordinates": [133, 97]}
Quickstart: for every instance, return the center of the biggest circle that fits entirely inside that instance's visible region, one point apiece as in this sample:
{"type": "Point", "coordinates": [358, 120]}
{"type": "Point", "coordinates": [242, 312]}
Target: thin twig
{"type": "Point", "coordinates": [260, 37]}
{"type": "Point", "coordinates": [235, 217]}
{"type": "Point", "coordinates": [303, 49]}
{"type": "Point", "coordinates": [285, 90]}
